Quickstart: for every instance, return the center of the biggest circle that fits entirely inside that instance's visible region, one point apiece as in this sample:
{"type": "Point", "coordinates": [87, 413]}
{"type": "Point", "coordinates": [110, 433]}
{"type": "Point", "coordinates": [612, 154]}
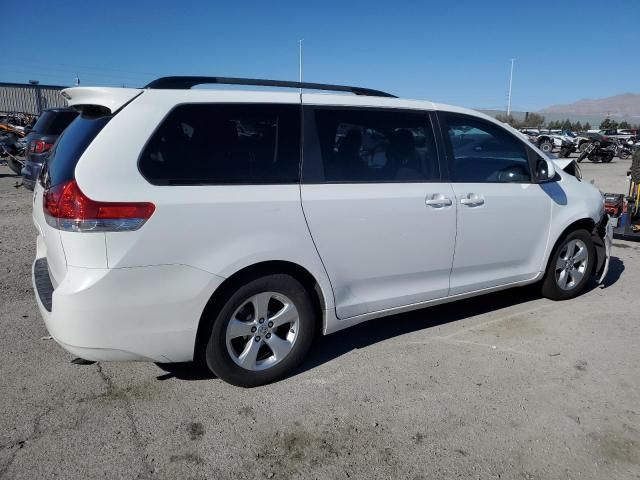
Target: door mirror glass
{"type": "Point", "coordinates": [544, 170]}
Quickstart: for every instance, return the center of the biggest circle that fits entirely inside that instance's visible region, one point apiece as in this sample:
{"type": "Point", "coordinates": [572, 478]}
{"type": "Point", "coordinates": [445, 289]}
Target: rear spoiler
{"type": "Point", "coordinates": [111, 99]}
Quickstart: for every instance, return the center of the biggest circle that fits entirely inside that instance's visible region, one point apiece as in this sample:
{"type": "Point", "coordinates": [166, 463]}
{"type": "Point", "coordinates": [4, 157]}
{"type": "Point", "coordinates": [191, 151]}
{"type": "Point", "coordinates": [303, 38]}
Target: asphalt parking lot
{"type": "Point", "coordinates": [508, 385]}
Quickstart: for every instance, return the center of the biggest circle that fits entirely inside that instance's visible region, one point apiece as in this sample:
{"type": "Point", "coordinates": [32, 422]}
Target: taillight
{"type": "Point", "coordinates": [40, 146]}
{"type": "Point", "coordinates": [67, 208]}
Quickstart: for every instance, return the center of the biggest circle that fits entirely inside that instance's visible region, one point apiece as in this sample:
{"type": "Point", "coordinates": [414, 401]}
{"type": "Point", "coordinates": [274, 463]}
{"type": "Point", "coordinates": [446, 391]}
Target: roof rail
{"type": "Point", "coordinates": [188, 82]}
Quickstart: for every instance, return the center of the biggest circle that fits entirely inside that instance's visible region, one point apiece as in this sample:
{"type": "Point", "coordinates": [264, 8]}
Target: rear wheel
{"type": "Point", "coordinates": [263, 331]}
{"type": "Point", "coordinates": [570, 266]}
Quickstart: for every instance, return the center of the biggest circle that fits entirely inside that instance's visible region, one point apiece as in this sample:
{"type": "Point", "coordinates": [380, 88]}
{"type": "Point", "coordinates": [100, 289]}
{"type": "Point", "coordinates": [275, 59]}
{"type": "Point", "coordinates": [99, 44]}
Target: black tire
{"type": "Point", "coordinates": [550, 284]}
{"type": "Point", "coordinates": [546, 146]}
{"type": "Point", "coordinates": [565, 152]}
{"type": "Point", "coordinates": [608, 158]}
{"type": "Point", "coordinates": [219, 359]}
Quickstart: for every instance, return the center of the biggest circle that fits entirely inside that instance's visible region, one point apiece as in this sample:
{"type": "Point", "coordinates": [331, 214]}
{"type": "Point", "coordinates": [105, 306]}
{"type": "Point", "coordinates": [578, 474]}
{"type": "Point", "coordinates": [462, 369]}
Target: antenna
{"type": "Point", "coordinates": [510, 85]}
{"type": "Point", "coordinates": [300, 62]}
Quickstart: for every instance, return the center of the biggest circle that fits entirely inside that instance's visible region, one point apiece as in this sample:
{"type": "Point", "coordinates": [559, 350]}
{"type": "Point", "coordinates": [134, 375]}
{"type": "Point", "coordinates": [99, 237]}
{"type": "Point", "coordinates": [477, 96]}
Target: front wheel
{"type": "Point", "coordinates": [262, 332]}
{"type": "Point", "coordinates": [570, 266]}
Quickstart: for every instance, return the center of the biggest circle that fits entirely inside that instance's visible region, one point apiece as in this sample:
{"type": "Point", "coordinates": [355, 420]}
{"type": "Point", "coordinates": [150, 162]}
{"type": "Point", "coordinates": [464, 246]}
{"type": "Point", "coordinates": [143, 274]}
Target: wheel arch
{"type": "Point", "coordinates": [246, 274]}
{"type": "Point", "coordinates": [587, 224]}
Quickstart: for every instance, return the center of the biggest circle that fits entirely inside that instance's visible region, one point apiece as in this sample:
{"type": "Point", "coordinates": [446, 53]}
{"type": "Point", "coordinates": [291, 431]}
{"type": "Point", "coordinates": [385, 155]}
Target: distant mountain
{"type": "Point", "coordinates": [627, 105]}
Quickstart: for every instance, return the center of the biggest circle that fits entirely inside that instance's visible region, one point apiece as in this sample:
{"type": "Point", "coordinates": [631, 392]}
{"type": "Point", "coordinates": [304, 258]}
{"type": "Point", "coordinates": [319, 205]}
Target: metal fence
{"type": "Point", "coordinates": [29, 99]}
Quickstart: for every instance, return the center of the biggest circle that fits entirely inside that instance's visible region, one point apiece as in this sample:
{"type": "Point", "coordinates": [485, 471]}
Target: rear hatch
{"type": "Point", "coordinates": [58, 169]}
{"type": "Point", "coordinates": [97, 107]}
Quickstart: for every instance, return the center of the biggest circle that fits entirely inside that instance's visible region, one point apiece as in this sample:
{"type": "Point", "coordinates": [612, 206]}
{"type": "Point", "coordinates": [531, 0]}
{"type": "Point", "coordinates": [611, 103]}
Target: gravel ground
{"type": "Point", "coordinates": [503, 386]}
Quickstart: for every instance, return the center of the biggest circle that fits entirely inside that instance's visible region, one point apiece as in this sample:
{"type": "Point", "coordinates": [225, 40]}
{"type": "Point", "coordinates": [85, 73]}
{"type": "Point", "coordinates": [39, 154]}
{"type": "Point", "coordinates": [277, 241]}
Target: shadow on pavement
{"type": "Point", "coordinates": [337, 344]}
{"type": "Point", "coordinates": [616, 267]}
{"type": "Point", "coordinates": [185, 371]}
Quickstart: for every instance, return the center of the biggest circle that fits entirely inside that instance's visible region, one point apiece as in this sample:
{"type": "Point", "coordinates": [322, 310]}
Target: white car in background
{"type": "Point", "coordinates": [229, 227]}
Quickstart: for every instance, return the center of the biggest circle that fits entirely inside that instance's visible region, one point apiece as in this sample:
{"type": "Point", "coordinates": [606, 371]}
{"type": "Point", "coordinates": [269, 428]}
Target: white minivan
{"type": "Point", "coordinates": [229, 226]}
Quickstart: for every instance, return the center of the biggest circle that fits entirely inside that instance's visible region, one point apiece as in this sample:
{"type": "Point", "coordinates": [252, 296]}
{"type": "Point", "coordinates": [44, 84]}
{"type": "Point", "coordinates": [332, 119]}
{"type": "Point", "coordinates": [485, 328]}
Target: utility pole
{"type": "Point", "coordinates": [300, 62]}
{"type": "Point", "coordinates": [510, 85]}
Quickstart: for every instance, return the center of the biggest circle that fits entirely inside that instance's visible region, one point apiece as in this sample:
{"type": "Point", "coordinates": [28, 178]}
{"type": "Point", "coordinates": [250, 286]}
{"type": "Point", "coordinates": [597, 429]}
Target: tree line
{"type": "Point", "coordinates": [535, 120]}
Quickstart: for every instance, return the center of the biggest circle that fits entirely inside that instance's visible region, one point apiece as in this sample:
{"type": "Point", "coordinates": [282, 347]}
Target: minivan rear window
{"type": "Point", "coordinates": [54, 122]}
{"type": "Point", "coordinates": [209, 144]}
{"type": "Point", "coordinates": [63, 157]}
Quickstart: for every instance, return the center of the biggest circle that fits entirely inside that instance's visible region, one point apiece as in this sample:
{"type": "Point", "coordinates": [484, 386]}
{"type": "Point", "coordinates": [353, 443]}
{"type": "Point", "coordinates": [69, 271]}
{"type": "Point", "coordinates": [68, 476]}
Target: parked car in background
{"type": "Point", "coordinates": [617, 134]}
{"type": "Point", "coordinates": [180, 224]}
{"type": "Point", "coordinates": [579, 141]}
{"type": "Point", "coordinates": [41, 138]}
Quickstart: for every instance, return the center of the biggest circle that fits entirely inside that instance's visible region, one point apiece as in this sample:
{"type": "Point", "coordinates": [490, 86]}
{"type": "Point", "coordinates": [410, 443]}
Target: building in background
{"type": "Point", "coordinates": [29, 98]}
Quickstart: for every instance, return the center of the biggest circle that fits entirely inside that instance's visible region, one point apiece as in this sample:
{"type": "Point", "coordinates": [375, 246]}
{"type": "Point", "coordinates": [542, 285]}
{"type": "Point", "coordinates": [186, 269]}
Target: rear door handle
{"type": "Point", "coordinates": [472, 200]}
{"type": "Point", "coordinates": [439, 201]}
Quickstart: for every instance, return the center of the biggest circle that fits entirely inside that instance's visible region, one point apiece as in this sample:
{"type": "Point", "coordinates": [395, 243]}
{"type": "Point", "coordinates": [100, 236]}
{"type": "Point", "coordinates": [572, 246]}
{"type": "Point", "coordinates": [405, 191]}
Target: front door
{"type": "Point", "coordinates": [503, 217]}
{"type": "Point", "coordinates": [382, 221]}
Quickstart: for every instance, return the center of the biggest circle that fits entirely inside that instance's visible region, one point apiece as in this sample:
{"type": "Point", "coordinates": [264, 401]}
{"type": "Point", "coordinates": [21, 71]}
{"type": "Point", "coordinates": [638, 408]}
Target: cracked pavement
{"type": "Point", "coordinates": [508, 385]}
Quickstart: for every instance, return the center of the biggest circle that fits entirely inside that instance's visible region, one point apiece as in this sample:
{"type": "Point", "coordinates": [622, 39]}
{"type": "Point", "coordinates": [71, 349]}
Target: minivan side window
{"type": "Point", "coordinates": [481, 152]}
{"type": "Point", "coordinates": [212, 144]}
{"type": "Point", "coordinates": [369, 145]}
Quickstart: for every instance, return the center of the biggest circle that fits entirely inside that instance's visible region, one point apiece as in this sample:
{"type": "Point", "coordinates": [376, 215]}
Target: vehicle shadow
{"type": "Point", "coordinates": [616, 267]}
{"type": "Point", "coordinates": [185, 371]}
{"type": "Point", "coordinates": [361, 336]}
{"type": "Point", "coordinates": [374, 331]}
{"type": "Point", "coordinates": [337, 344]}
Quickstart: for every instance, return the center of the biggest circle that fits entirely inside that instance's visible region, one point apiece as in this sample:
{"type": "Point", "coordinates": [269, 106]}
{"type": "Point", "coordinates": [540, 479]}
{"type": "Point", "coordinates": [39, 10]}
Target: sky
{"type": "Point", "coordinates": [448, 51]}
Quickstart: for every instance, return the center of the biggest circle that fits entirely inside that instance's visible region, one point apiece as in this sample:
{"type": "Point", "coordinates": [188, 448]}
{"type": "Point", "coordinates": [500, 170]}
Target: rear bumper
{"type": "Point", "coordinates": [142, 313]}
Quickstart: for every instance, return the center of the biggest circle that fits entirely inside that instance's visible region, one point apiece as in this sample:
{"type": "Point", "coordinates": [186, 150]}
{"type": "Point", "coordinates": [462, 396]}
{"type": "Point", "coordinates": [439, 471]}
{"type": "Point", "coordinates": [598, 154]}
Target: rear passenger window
{"type": "Point", "coordinates": [365, 145]}
{"type": "Point", "coordinates": [224, 144]}
{"type": "Point", "coordinates": [482, 152]}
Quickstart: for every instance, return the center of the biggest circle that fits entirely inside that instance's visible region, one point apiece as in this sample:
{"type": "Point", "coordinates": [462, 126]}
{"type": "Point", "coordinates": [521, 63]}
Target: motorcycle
{"type": "Point", "coordinates": [13, 151]}
{"type": "Point", "coordinates": [623, 151]}
{"type": "Point", "coordinates": [598, 151]}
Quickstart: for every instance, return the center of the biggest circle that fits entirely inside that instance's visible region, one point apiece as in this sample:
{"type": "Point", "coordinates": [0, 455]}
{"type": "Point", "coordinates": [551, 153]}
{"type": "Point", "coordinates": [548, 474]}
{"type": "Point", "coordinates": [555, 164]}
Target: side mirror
{"type": "Point", "coordinates": [545, 171]}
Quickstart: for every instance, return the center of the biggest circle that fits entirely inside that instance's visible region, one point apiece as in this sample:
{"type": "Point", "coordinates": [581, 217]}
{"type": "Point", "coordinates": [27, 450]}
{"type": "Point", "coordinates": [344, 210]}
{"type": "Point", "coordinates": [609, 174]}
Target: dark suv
{"type": "Point", "coordinates": [39, 141]}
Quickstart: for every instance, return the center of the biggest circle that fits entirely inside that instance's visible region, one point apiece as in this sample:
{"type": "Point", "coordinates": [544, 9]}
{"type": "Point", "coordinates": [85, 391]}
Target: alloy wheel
{"type": "Point", "coordinates": [262, 331]}
{"type": "Point", "coordinates": [571, 265]}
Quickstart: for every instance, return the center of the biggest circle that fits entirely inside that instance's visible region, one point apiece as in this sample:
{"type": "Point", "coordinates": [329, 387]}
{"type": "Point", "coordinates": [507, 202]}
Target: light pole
{"type": "Point", "coordinates": [510, 85]}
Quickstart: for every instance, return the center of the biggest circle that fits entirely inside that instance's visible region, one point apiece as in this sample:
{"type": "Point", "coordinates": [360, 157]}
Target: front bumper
{"type": "Point", "coordinates": [602, 239]}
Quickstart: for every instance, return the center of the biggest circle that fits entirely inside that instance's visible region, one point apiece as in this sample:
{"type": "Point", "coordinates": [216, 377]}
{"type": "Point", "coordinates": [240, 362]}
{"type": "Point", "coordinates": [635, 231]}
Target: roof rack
{"type": "Point", "coordinates": [188, 82]}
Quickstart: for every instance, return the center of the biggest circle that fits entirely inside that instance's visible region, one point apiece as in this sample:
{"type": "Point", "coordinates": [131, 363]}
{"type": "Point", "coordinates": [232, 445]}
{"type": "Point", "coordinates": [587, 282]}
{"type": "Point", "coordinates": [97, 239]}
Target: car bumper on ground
{"type": "Point", "coordinates": [125, 313]}
{"type": "Point", "coordinates": [603, 238]}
